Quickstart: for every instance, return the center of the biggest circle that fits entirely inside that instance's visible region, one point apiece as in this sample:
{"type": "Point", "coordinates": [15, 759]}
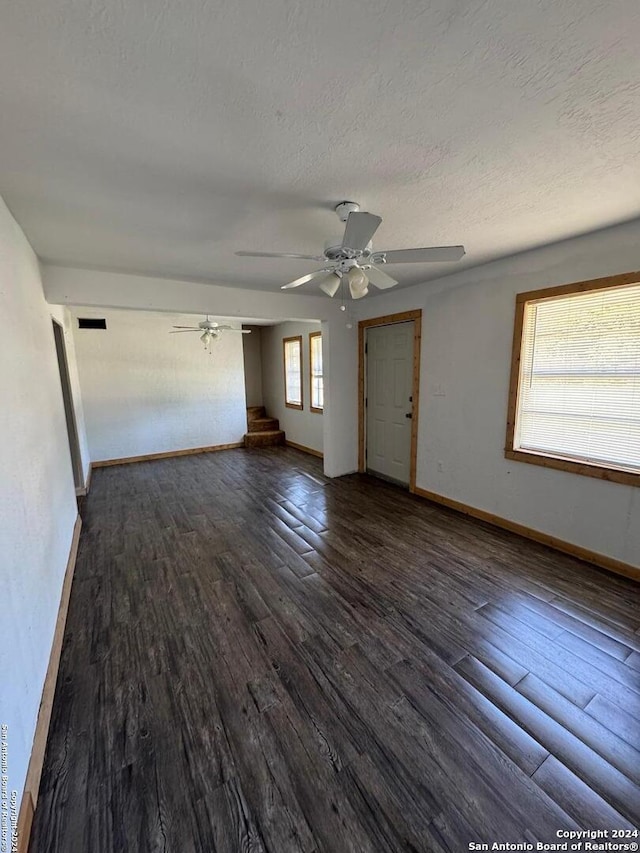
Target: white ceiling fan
{"type": "Point", "coordinates": [210, 331]}
{"type": "Point", "coordinates": [353, 260]}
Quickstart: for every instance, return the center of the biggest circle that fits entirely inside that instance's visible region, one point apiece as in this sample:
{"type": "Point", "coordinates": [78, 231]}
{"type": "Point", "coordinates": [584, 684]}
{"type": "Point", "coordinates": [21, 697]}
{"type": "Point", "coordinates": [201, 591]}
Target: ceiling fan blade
{"type": "Point", "coordinates": [433, 254]}
{"type": "Point", "coordinates": [379, 278]}
{"type": "Point", "coordinates": [359, 230]}
{"type": "Point", "coordinates": [358, 292]}
{"type": "Point", "coordinates": [182, 331]}
{"type": "Point", "coordinates": [231, 329]}
{"type": "Point", "coordinates": [305, 279]}
{"type": "Point", "coordinates": [331, 285]}
{"type": "Point", "coordinates": [185, 327]}
{"type": "Point", "coordinates": [279, 255]}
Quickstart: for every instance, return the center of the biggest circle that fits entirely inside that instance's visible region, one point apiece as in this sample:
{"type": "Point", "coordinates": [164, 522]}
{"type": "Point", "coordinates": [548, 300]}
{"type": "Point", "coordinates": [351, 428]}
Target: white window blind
{"type": "Point", "coordinates": [317, 378]}
{"type": "Point", "coordinates": [293, 371]}
{"type": "Point", "coordinates": [579, 388]}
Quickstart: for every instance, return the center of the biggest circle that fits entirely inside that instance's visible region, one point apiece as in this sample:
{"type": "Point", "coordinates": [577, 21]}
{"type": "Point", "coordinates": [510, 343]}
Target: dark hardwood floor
{"type": "Point", "coordinates": [260, 659]}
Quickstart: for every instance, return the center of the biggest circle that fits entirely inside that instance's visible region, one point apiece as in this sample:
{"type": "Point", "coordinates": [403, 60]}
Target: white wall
{"type": "Point", "coordinates": [71, 286]}
{"type": "Point", "coordinates": [467, 332]}
{"type": "Point", "coordinates": [301, 426]}
{"type": "Point", "coordinates": [340, 365]}
{"type": "Point", "coordinates": [252, 350]}
{"type": "Point", "coordinates": [147, 391]}
{"type": "Point", "coordinates": [37, 496]}
{"type": "Point", "coordinates": [466, 348]}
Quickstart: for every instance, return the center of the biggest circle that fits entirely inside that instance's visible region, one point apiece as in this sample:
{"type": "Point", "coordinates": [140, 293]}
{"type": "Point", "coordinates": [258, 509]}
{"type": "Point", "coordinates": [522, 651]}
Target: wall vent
{"type": "Point", "coordinates": [91, 323]}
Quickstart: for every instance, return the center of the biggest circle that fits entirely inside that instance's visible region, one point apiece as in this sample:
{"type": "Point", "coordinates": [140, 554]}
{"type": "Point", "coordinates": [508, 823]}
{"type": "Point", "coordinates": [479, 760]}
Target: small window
{"type": "Point", "coordinates": [293, 372]}
{"type": "Point", "coordinates": [575, 384]}
{"type": "Point", "coordinates": [316, 375]}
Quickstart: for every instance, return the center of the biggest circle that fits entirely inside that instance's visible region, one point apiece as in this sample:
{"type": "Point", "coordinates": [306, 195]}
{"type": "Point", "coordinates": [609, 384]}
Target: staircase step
{"type": "Point", "coordinates": [264, 439]}
{"type": "Point", "coordinates": [264, 425]}
{"type": "Point", "coordinates": [255, 413]}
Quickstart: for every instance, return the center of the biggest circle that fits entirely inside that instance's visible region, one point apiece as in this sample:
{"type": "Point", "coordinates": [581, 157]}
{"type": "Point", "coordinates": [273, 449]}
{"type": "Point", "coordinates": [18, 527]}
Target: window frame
{"type": "Point", "coordinates": [562, 463]}
{"type": "Point", "coordinates": [317, 409]}
{"type": "Point", "coordinates": [295, 338]}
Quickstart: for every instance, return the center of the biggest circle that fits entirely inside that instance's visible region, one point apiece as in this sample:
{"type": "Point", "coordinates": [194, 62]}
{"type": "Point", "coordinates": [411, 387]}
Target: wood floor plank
{"type": "Point", "coordinates": [633, 660]}
{"type": "Point", "coordinates": [428, 734]}
{"type": "Point", "coordinates": [601, 776]}
{"type": "Point", "coordinates": [618, 644]}
{"type": "Point", "coordinates": [536, 658]}
{"type": "Point", "coordinates": [577, 798]}
{"type": "Point", "coordinates": [307, 694]}
{"type": "Point", "coordinates": [417, 679]}
{"type": "Point", "coordinates": [259, 659]}
{"type": "Point", "coordinates": [625, 724]}
{"type": "Point", "coordinates": [599, 616]}
{"type": "Point", "coordinates": [616, 751]}
{"type": "Point", "coordinates": [574, 656]}
{"type": "Point", "coordinates": [226, 818]}
{"type": "Point", "coordinates": [602, 661]}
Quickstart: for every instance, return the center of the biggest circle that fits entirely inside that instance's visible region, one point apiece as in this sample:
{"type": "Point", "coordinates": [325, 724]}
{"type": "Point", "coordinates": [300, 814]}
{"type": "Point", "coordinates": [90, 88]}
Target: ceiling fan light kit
{"type": "Point", "coordinates": [331, 284]}
{"type": "Point", "coordinates": [358, 283]}
{"type": "Point", "coordinates": [352, 264]}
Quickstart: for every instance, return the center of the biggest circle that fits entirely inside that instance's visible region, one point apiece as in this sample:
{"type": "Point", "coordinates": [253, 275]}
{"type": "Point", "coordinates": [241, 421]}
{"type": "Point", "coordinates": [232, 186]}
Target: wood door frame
{"type": "Point", "coordinates": [389, 320]}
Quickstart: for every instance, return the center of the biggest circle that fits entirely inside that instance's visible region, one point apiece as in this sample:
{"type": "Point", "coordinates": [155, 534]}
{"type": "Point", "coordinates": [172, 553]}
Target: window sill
{"type": "Point", "coordinates": [316, 410]}
{"type": "Point", "coordinates": [587, 469]}
{"type": "Point", "coordinates": [297, 406]}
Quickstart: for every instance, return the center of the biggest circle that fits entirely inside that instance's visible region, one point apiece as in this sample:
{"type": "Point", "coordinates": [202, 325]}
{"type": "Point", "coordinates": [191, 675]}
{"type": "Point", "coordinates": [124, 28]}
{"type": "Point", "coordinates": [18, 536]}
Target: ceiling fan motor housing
{"type": "Point", "coordinates": [334, 248]}
{"type": "Point", "coordinates": [343, 253]}
{"type": "Point", "coordinates": [345, 208]}
{"type": "Point", "coordinates": [335, 251]}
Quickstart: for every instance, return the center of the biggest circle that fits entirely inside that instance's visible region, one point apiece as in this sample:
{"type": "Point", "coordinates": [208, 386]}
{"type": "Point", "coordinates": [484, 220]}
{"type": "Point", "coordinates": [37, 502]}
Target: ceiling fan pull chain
{"type": "Point", "coordinates": [343, 306]}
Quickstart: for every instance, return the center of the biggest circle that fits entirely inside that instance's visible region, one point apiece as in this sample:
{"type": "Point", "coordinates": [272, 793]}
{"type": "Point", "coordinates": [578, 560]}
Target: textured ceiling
{"type": "Point", "coordinates": [159, 137]}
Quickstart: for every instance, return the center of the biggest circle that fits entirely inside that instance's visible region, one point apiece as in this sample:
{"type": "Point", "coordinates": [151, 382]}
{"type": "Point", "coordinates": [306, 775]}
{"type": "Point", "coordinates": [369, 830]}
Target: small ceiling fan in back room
{"type": "Point", "coordinates": [353, 264]}
{"type": "Point", "coordinates": [210, 331]}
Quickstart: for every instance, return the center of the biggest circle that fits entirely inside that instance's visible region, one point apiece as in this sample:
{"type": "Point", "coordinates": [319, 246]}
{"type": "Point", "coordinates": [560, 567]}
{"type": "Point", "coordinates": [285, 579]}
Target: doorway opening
{"type": "Point", "coordinates": [389, 387]}
{"type": "Point", "coordinates": [69, 412]}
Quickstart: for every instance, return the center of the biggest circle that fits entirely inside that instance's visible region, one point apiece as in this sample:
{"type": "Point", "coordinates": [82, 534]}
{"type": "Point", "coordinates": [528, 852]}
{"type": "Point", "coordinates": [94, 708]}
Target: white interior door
{"type": "Point", "coordinates": [388, 400]}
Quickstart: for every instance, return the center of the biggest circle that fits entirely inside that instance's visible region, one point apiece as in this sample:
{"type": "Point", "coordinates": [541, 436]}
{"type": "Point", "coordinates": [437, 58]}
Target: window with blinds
{"type": "Point", "coordinates": [316, 377]}
{"type": "Point", "coordinates": [578, 395]}
{"type": "Point", "coordinates": [293, 372]}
